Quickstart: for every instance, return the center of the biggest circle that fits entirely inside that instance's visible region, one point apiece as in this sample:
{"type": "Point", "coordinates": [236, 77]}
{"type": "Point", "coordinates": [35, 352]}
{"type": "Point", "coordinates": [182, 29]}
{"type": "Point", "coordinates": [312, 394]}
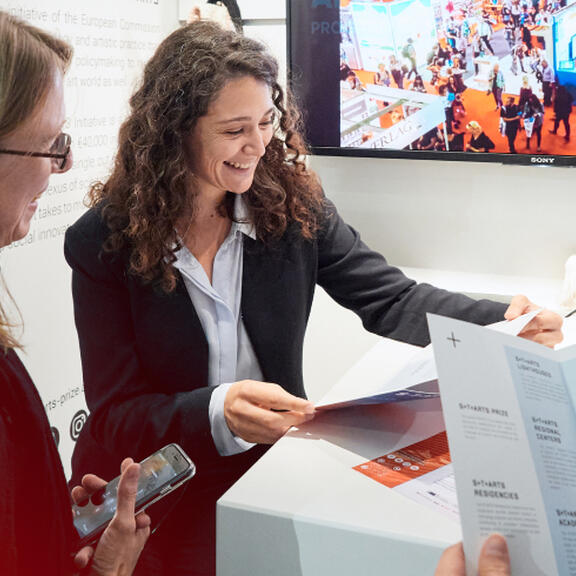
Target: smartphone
{"type": "Point", "coordinates": [160, 474]}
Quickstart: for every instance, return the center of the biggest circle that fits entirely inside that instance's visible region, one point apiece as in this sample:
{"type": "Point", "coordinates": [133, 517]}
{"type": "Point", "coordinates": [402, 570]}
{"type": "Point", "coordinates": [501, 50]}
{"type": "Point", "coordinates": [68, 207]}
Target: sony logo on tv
{"type": "Point", "coordinates": [542, 160]}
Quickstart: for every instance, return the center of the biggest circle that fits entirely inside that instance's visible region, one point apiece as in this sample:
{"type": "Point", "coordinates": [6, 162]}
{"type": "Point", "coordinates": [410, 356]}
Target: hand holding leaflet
{"type": "Point", "coordinates": [546, 326]}
{"type": "Point", "coordinates": [398, 372]}
{"type": "Point", "coordinates": [508, 405]}
{"type": "Point", "coordinates": [390, 372]}
{"type": "Point", "coordinates": [494, 559]}
{"type": "Point", "coordinates": [517, 325]}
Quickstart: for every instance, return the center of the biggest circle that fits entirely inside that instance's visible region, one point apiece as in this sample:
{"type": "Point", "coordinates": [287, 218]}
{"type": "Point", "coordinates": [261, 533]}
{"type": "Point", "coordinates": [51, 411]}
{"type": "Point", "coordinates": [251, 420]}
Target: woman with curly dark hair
{"type": "Point", "coordinates": [194, 274]}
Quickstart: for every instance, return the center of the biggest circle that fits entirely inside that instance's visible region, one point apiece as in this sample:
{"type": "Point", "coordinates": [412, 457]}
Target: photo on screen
{"type": "Point", "coordinates": [490, 78]}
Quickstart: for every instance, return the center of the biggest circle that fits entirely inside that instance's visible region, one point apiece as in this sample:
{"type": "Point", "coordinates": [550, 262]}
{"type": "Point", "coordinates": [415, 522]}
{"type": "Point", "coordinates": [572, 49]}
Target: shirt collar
{"type": "Point", "coordinates": [242, 221]}
{"type": "Point", "coordinates": [241, 224]}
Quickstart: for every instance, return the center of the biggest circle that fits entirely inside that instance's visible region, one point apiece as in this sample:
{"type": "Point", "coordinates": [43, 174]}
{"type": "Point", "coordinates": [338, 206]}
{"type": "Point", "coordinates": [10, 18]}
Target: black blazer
{"type": "Point", "coordinates": [145, 357]}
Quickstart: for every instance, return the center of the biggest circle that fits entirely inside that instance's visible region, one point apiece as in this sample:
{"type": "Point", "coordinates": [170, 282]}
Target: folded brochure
{"type": "Point", "coordinates": [393, 371]}
{"type": "Point", "coordinates": [509, 409]}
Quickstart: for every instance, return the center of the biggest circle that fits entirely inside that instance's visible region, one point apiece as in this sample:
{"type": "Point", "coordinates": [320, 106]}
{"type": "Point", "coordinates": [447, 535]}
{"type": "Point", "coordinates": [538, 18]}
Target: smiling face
{"type": "Point", "coordinates": [227, 143]}
{"type": "Point", "coordinates": [23, 179]}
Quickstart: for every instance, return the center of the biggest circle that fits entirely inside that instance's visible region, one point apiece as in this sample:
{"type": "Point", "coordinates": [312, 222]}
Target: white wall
{"type": "Point", "coordinates": [471, 217]}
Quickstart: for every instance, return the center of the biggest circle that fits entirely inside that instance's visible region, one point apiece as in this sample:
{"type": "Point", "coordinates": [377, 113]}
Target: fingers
{"type": "Point", "coordinates": [273, 397]}
{"type": "Point", "coordinates": [127, 489]}
{"type": "Point", "coordinates": [545, 338]}
{"type": "Point", "coordinates": [518, 305]}
{"type": "Point", "coordinates": [83, 557]}
{"type": "Point", "coordinates": [545, 328]}
{"type": "Point", "coordinates": [452, 562]}
{"type": "Point", "coordinates": [143, 521]}
{"type": "Point", "coordinates": [125, 463]}
{"type": "Point", "coordinates": [260, 425]}
{"type": "Point", "coordinates": [79, 495]}
{"type": "Point", "coordinates": [121, 543]}
{"type": "Point", "coordinates": [255, 424]}
{"type": "Point", "coordinates": [546, 320]}
{"type": "Point", "coordinates": [262, 412]}
{"type": "Point", "coordinates": [90, 484]}
{"type": "Point", "coordinates": [494, 558]}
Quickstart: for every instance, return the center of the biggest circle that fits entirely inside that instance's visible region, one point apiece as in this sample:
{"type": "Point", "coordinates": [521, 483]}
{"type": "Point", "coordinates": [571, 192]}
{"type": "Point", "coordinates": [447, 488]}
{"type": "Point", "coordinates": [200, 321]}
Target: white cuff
{"type": "Point", "coordinates": [226, 443]}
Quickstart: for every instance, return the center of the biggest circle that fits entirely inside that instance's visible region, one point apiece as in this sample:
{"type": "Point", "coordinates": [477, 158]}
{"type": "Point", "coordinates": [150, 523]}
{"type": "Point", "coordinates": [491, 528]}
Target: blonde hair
{"type": "Point", "coordinates": [473, 125]}
{"type": "Point", "coordinates": [29, 58]}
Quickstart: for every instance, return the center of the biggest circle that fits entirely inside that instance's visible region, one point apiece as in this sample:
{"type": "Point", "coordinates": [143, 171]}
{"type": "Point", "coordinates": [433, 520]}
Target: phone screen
{"type": "Point", "coordinates": [157, 473]}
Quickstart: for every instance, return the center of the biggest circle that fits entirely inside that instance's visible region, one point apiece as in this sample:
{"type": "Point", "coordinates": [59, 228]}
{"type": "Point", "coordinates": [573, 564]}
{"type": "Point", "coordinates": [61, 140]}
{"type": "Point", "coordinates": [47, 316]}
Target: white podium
{"type": "Point", "coordinates": [303, 510]}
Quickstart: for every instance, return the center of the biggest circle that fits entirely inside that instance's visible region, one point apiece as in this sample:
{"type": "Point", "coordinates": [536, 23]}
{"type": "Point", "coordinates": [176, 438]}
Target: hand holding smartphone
{"type": "Point", "coordinates": [160, 474]}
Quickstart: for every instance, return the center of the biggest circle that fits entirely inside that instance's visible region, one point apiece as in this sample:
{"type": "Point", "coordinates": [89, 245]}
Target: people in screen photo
{"type": "Point", "coordinates": [411, 60]}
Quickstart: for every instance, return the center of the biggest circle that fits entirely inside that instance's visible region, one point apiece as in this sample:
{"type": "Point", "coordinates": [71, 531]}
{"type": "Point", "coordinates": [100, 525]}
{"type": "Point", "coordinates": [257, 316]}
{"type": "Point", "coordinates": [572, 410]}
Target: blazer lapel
{"type": "Point", "coordinates": [276, 300]}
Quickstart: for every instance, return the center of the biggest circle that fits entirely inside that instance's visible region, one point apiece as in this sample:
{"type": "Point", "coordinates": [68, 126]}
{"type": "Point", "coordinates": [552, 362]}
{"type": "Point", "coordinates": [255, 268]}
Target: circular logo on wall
{"type": "Point", "coordinates": [55, 435]}
{"type": "Point", "coordinates": [77, 423]}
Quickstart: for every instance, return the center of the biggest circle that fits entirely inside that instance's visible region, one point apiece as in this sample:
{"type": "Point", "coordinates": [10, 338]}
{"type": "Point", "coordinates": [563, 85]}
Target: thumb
{"type": "Point", "coordinates": [494, 558]}
{"type": "Point", "coordinates": [518, 305]}
{"type": "Point", "coordinates": [127, 490]}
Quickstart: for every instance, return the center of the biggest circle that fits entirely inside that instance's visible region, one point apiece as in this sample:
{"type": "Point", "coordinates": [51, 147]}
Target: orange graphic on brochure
{"type": "Point", "coordinates": [408, 463]}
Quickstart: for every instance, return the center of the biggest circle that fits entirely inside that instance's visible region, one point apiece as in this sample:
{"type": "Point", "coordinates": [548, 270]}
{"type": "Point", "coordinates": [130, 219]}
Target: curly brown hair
{"type": "Point", "coordinates": [146, 194]}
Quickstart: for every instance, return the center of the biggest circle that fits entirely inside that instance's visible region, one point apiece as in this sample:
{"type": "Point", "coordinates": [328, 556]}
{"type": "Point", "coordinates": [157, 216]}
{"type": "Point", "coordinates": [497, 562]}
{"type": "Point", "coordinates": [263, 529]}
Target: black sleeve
{"type": "Point", "coordinates": [137, 404]}
{"type": "Point", "coordinates": [389, 303]}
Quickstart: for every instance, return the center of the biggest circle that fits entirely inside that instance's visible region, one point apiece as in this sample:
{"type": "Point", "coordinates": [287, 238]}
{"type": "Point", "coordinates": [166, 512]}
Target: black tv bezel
{"type": "Point", "coordinates": [384, 153]}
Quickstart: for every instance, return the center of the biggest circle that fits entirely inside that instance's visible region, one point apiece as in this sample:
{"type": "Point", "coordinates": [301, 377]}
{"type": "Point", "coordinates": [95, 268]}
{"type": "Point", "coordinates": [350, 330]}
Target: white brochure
{"type": "Point", "coordinates": [389, 372]}
{"type": "Point", "coordinates": [397, 372]}
{"type": "Point", "coordinates": [509, 408]}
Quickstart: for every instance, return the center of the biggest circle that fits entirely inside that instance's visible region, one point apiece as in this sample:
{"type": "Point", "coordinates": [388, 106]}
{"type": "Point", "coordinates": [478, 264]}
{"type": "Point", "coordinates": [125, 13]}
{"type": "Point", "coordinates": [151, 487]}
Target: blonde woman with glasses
{"type": "Point", "coordinates": [36, 531]}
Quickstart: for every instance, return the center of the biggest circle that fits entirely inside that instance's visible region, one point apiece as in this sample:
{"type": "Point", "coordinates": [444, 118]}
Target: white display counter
{"type": "Point", "coordinates": [303, 510]}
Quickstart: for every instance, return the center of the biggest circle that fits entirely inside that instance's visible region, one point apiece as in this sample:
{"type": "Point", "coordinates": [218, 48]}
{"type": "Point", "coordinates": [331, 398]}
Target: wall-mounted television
{"type": "Point", "coordinates": [490, 80]}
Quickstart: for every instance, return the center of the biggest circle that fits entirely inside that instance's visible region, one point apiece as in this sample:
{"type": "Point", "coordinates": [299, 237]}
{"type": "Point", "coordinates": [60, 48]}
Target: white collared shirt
{"type": "Point", "coordinates": [231, 357]}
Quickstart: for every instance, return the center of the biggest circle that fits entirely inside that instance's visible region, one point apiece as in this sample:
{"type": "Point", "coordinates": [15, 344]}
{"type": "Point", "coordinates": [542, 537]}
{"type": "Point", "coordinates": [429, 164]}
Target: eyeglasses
{"type": "Point", "coordinates": [60, 150]}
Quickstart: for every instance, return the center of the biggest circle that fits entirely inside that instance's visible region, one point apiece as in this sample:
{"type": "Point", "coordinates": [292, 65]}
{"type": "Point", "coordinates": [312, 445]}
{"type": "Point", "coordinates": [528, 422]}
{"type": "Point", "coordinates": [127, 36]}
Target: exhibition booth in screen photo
{"type": "Point", "coordinates": [391, 93]}
{"type": "Point", "coordinates": [431, 51]}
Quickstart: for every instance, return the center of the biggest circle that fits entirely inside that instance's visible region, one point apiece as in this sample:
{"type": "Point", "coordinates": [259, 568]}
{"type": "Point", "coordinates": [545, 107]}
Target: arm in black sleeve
{"type": "Point", "coordinates": [389, 303]}
{"type": "Point", "coordinates": [141, 384]}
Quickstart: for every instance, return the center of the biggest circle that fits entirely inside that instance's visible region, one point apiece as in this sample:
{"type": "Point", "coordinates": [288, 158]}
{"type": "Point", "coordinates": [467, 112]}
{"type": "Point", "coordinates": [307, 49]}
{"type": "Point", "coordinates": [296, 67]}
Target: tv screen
{"type": "Point", "coordinates": [451, 79]}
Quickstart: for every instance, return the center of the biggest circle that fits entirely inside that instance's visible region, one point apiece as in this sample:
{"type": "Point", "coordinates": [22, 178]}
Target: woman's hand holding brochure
{"type": "Point", "coordinates": [493, 561]}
